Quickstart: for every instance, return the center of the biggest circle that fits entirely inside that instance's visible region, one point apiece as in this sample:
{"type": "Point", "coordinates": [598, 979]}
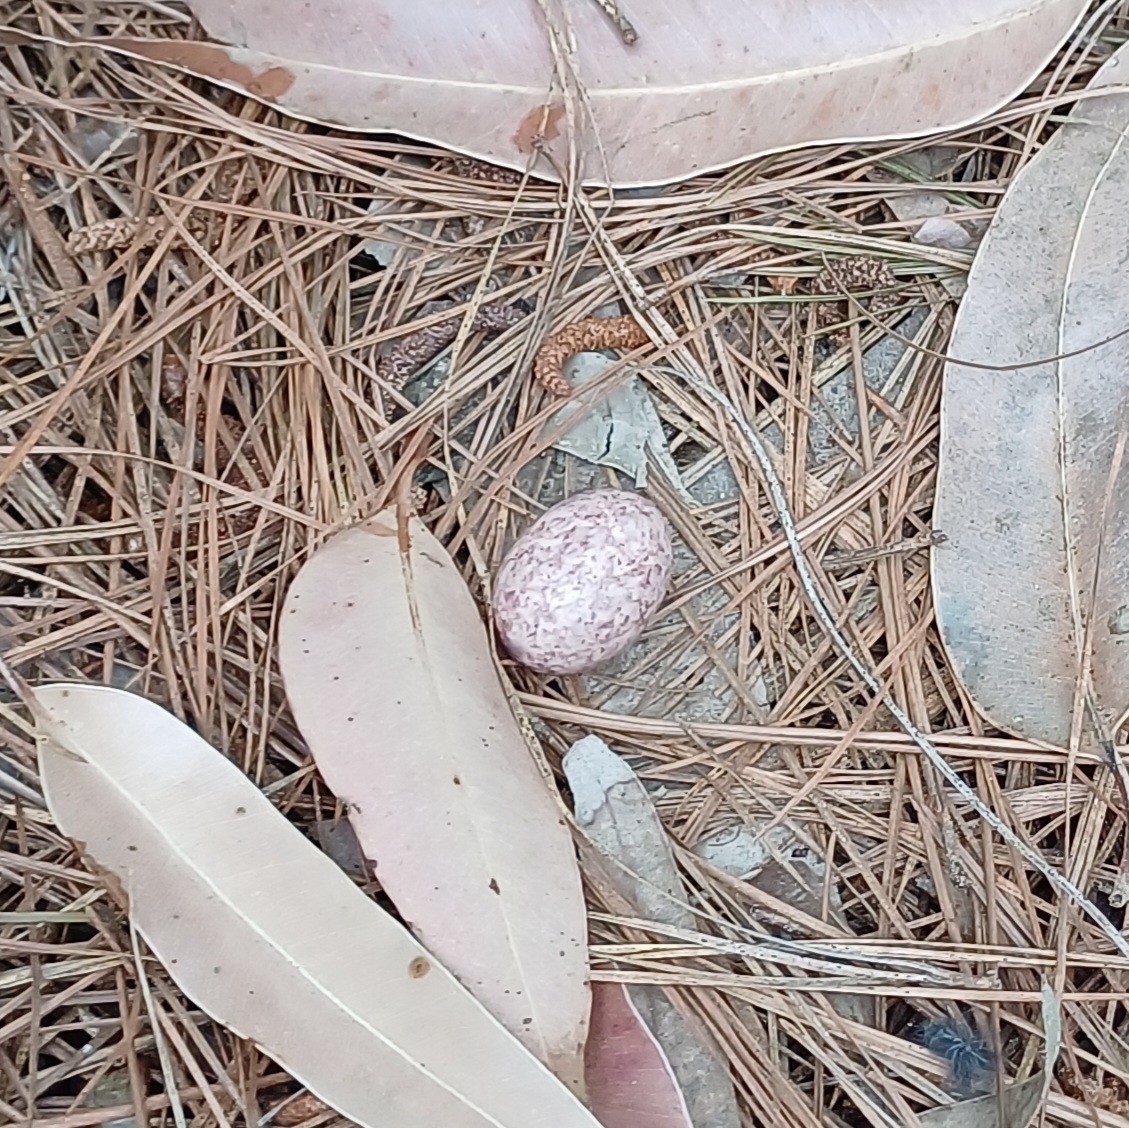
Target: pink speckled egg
{"type": "Point", "coordinates": [580, 583]}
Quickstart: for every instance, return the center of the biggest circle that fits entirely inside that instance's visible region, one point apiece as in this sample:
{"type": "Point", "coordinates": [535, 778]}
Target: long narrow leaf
{"type": "Point", "coordinates": [706, 83]}
{"type": "Point", "coordinates": [389, 673]}
{"type": "Point", "coordinates": [267, 936]}
{"type": "Point", "coordinates": [1033, 490]}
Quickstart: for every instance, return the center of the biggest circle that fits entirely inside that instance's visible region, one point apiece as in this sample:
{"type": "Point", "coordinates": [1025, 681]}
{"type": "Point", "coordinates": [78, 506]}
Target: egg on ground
{"type": "Point", "coordinates": [580, 583]}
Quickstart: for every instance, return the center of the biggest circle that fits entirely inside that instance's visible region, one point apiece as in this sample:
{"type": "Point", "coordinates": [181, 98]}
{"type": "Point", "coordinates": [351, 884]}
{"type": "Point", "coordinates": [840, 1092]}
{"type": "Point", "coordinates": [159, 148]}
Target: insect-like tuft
{"type": "Point", "coordinates": [970, 1060]}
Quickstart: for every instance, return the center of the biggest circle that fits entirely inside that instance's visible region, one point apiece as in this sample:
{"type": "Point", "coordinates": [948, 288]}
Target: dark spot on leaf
{"type": "Point", "coordinates": [542, 123]}
{"type": "Point", "coordinates": [494, 888]}
{"type": "Point", "coordinates": [419, 967]}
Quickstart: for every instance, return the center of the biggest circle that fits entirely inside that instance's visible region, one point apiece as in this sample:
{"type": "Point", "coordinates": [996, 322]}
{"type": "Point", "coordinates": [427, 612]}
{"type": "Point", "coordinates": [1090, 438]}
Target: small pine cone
{"type": "Point", "coordinates": [174, 384]}
{"type": "Point", "coordinates": [588, 335]}
{"type": "Point", "coordinates": [409, 355]}
{"type": "Point", "coordinates": [110, 234]}
{"type": "Point", "coordinates": [471, 169]}
{"type": "Point", "coordinates": [303, 1107]}
{"type": "Point", "coordinates": [855, 275]}
{"type": "Point", "coordinates": [495, 317]}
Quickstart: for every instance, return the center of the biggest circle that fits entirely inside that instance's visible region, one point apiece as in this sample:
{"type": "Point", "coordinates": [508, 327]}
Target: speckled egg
{"type": "Point", "coordinates": [579, 585]}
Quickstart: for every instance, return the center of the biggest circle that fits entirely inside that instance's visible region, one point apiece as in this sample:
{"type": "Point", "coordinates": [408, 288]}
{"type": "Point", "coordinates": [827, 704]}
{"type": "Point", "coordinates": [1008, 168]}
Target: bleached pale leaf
{"type": "Point", "coordinates": [1027, 454]}
{"type": "Point", "coordinates": [266, 935]}
{"type": "Point", "coordinates": [630, 1082]}
{"type": "Point", "coordinates": [940, 232]}
{"type": "Point", "coordinates": [708, 82]}
{"type": "Point", "coordinates": [776, 861]}
{"type": "Point", "coordinates": [617, 815]}
{"type": "Point", "coordinates": [621, 429]}
{"type": "Point", "coordinates": [388, 670]}
{"type": "Point", "coordinates": [1020, 1102]}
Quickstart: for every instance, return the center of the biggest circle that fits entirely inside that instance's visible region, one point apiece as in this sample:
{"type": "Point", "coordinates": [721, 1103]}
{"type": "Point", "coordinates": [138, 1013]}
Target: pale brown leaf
{"type": "Point", "coordinates": [708, 82]}
{"type": "Point", "coordinates": [267, 936]}
{"type": "Point", "coordinates": [388, 669]}
{"type": "Point", "coordinates": [1033, 487]}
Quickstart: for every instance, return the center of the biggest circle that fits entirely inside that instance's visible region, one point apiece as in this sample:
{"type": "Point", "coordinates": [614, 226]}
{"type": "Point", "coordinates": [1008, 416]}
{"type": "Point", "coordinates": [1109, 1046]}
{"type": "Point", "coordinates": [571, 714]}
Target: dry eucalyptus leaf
{"type": "Point", "coordinates": [630, 1083]}
{"type": "Point", "coordinates": [1027, 454]}
{"type": "Point", "coordinates": [617, 815]}
{"type": "Point", "coordinates": [388, 669]}
{"type": "Point", "coordinates": [338, 840]}
{"type": "Point", "coordinates": [267, 936]}
{"type": "Point", "coordinates": [929, 165]}
{"type": "Point", "coordinates": [937, 231]}
{"type": "Point", "coordinates": [620, 430]}
{"type": "Point", "coordinates": [1020, 1103]}
{"type": "Point", "coordinates": [749, 79]}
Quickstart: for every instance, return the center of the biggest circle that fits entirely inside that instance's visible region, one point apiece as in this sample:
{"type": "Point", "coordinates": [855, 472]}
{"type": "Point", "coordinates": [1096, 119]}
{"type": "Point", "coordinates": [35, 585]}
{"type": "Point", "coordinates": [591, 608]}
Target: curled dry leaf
{"type": "Point", "coordinates": [617, 815]}
{"type": "Point", "coordinates": [388, 669]}
{"type": "Point", "coordinates": [267, 936]}
{"type": "Point", "coordinates": [1033, 489]}
{"type": "Point", "coordinates": [621, 429]}
{"type": "Point", "coordinates": [758, 77]}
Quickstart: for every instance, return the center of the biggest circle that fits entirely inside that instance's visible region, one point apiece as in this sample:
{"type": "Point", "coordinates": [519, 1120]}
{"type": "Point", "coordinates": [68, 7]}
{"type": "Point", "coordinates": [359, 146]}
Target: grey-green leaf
{"type": "Point", "coordinates": [1033, 495]}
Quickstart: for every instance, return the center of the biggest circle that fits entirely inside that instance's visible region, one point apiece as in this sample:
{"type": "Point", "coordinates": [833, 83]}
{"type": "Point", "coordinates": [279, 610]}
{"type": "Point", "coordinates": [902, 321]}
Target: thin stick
{"type": "Point", "coordinates": [163, 1056]}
